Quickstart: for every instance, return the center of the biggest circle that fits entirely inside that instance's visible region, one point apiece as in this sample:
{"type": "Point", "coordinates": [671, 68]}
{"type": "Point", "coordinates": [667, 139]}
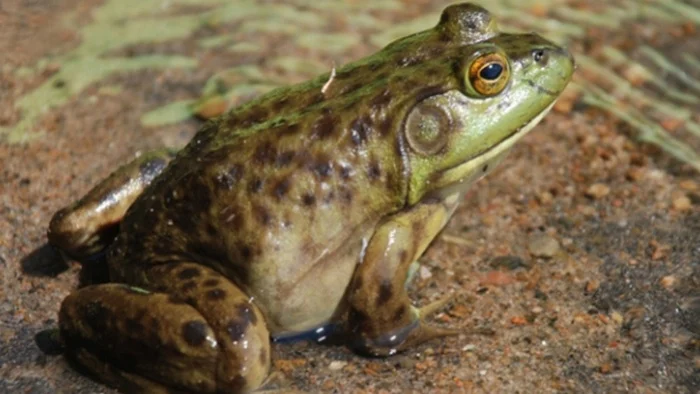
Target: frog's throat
{"type": "Point", "coordinates": [463, 174]}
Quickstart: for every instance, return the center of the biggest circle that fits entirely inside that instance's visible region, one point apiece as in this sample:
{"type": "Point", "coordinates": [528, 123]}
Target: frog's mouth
{"type": "Point", "coordinates": [479, 165]}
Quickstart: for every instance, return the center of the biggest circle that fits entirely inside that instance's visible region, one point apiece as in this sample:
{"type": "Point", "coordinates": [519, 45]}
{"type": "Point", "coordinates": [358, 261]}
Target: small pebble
{"type": "Point", "coordinates": [425, 272]}
{"type": "Point", "coordinates": [509, 262]}
{"type": "Point", "coordinates": [689, 185]}
{"type": "Point", "coordinates": [543, 246]}
{"type": "Point", "coordinates": [617, 317]}
{"type": "Point", "coordinates": [682, 203]}
{"type": "Point", "coordinates": [598, 191]}
{"type": "Point", "coordinates": [668, 281]}
{"type": "Point", "coordinates": [337, 365]}
{"type": "Point", "coordinates": [592, 286]}
{"type": "Point", "coordinates": [469, 347]}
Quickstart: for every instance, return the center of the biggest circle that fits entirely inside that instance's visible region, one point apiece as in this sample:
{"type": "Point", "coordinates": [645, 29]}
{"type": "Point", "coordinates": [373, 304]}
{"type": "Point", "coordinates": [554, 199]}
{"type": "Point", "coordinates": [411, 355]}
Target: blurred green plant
{"type": "Point", "coordinates": [645, 89]}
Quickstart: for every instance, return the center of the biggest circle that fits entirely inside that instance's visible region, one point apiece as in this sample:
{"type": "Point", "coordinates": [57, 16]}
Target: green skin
{"type": "Point", "coordinates": [302, 207]}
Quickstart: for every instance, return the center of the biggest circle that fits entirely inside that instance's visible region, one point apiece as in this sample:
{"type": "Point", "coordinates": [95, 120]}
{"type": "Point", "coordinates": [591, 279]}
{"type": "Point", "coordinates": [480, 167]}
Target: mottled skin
{"type": "Point", "coordinates": [303, 207]}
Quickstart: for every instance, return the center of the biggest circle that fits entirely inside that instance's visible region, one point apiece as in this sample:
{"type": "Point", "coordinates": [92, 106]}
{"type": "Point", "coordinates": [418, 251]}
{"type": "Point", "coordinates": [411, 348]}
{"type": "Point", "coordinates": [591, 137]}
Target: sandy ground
{"type": "Point", "coordinates": [575, 266]}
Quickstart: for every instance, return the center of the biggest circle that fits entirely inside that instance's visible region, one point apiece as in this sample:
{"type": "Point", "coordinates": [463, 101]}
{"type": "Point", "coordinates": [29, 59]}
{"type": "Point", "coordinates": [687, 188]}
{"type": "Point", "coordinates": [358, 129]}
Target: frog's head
{"type": "Point", "coordinates": [500, 85]}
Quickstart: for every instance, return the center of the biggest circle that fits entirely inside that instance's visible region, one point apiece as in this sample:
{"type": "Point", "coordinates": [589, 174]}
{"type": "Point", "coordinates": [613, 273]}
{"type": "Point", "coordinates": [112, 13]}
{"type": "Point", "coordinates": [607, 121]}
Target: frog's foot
{"type": "Point", "coordinates": [407, 335]}
{"type": "Point", "coordinates": [197, 333]}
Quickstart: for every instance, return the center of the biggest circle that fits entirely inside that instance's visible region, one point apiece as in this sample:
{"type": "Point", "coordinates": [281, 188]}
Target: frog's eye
{"type": "Point", "coordinates": [488, 75]}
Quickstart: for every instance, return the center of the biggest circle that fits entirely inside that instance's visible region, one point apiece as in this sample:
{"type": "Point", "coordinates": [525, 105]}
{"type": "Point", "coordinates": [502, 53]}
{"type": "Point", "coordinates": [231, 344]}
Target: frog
{"type": "Point", "coordinates": [302, 208]}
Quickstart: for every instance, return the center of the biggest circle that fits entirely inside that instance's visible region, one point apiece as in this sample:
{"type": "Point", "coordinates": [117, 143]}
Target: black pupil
{"type": "Point", "coordinates": [539, 54]}
{"type": "Point", "coordinates": [491, 72]}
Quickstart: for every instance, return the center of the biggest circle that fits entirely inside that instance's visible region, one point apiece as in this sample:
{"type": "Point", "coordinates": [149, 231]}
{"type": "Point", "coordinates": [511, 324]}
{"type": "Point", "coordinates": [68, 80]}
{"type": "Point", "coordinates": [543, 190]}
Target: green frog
{"type": "Point", "coordinates": [304, 207]}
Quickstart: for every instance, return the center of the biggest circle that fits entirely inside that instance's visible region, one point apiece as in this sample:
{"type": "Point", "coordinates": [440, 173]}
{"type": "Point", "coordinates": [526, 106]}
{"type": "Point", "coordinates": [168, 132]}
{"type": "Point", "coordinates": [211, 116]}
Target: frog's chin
{"type": "Point", "coordinates": [458, 178]}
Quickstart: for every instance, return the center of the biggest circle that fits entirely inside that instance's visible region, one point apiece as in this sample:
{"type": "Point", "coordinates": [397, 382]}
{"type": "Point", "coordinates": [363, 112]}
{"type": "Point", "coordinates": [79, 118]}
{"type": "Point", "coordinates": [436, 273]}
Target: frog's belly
{"type": "Point", "coordinates": [298, 301]}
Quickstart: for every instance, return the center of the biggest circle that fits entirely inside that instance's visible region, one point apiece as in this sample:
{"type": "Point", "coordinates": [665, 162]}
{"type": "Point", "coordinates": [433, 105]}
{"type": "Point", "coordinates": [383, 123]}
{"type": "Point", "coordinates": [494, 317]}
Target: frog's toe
{"type": "Point", "coordinates": [425, 332]}
{"type": "Point", "coordinates": [435, 306]}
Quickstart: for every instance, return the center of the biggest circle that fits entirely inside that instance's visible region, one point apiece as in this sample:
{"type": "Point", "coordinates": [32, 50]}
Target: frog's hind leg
{"type": "Point", "coordinates": [196, 331]}
{"type": "Point", "coordinates": [87, 226]}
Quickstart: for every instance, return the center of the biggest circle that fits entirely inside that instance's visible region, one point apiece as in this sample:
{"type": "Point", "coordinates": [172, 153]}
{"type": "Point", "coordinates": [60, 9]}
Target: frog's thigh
{"type": "Point", "coordinates": [83, 228]}
{"type": "Point", "coordinates": [198, 332]}
{"type": "Point", "coordinates": [381, 316]}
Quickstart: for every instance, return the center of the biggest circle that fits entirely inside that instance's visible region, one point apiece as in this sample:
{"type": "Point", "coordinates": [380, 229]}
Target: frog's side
{"type": "Point", "coordinates": [304, 206]}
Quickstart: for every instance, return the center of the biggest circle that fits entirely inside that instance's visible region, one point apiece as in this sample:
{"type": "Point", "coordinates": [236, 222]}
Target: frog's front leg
{"type": "Point", "coordinates": [87, 226]}
{"type": "Point", "coordinates": [381, 318]}
{"type": "Point", "coordinates": [195, 331]}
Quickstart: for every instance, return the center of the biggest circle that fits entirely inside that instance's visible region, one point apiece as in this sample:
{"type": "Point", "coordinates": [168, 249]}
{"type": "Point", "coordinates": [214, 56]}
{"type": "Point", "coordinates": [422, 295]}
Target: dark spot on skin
{"type": "Point", "coordinates": [280, 104]}
{"type": "Point", "coordinates": [231, 218]}
{"type": "Point", "coordinates": [485, 168]}
{"type": "Point", "coordinates": [358, 283]}
{"type": "Point", "coordinates": [400, 313]}
{"type": "Point", "coordinates": [289, 129]}
{"type": "Point", "coordinates": [360, 130]}
{"type": "Point", "coordinates": [216, 294]}
{"type": "Point", "coordinates": [403, 255]}
{"type": "Point", "coordinates": [444, 36]}
{"type": "Point", "coordinates": [194, 332]}
{"type": "Point", "coordinates": [246, 312]}
{"type": "Point", "coordinates": [133, 326]}
{"type": "Point", "coordinates": [284, 158]}
{"type": "Point", "coordinates": [262, 214]}
{"type": "Point", "coordinates": [255, 115]}
{"type": "Point", "coordinates": [308, 199]}
{"type": "Point", "coordinates": [211, 230]}
{"type": "Point", "coordinates": [374, 172]}
{"type": "Point", "coordinates": [281, 188]}
{"type": "Point", "coordinates": [351, 87]}
{"type": "Point", "coordinates": [386, 126]}
{"type": "Point", "coordinates": [211, 282]}
{"type": "Point", "coordinates": [345, 172]}
{"type": "Point", "coordinates": [323, 169]}
{"type": "Point", "coordinates": [263, 356]}
{"type": "Point", "coordinates": [382, 99]}
{"type": "Point", "coordinates": [417, 229]}
{"type": "Point", "coordinates": [246, 252]}
{"type": "Point", "coordinates": [185, 219]}
{"type": "Point", "coordinates": [96, 316]}
{"type": "Point", "coordinates": [236, 329]}
{"type": "Point", "coordinates": [227, 179]}
{"type": "Point", "coordinates": [255, 185]}
{"type": "Point", "coordinates": [238, 383]}
{"type": "Point", "coordinates": [315, 99]}
{"type": "Point", "coordinates": [357, 320]}
{"type": "Point", "coordinates": [154, 324]}
{"type": "Point", "coordinates": [265, 153]}
{"type": "Point", "coordinates": [386, 291]}
{"type": "Point", "coordinates": [323, 127]}
{"type": "Point", "coordinates": [346, 195]}
{"type": "Point", "coordinates": [175, 300]}
{"type": "Point", "coordinates": [187, 286]}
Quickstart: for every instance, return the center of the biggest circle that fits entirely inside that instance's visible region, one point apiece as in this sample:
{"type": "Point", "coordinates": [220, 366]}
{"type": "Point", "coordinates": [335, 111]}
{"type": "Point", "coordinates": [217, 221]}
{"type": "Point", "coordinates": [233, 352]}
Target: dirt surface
{"type": "Point", "coordinates": [575, 266]}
